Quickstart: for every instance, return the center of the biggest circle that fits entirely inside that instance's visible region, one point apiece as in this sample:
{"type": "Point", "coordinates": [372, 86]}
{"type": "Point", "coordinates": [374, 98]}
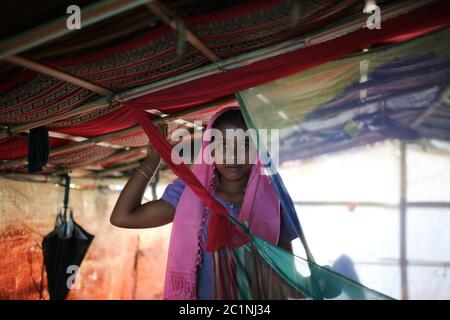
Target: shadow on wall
{"type": "Point", "coordinates": [344, 265]}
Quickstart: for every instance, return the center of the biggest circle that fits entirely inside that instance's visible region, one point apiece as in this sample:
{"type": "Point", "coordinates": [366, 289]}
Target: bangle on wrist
{"type": "Point", "coordinates": [143, 173]}
{"type": "Point", "coordinates": [148, 168]}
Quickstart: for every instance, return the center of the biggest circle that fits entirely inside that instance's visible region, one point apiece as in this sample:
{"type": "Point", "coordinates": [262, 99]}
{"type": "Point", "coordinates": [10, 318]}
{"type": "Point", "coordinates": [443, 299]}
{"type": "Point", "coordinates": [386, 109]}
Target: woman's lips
{"type": "Point", "coordinates": [232, 167]}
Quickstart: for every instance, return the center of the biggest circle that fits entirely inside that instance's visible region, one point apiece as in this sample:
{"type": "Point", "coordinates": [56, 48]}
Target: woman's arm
{"type": "Point", "coordinates": [129, 212]}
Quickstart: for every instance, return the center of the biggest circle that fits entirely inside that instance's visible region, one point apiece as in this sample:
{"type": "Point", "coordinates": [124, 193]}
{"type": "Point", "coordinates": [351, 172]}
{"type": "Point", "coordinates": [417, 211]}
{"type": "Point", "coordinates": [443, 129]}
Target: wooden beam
{"type": "Point", "coordinates": [112, 157]}
{"type": "Point", "coordinates": [269, 52]}
{"type": "Point", "coordinates": [95, 140]}
{"type": "Point", "coordinates": [169, 18]}
{"type": "Point", "coordinates": [86, 182]}
{"type": "Point", "coordinates": [121, 154]}
{"type": "Point", "coordinates": [58, 74]}
{"type": "Point", "coordinates": [202, 108]}
{"type": "Point", "coordinates": [444, 98]}
{"type": "Point", "coordinates": [132, 24]}
{"type": "Point", "coordinates": [119, 168]}
{"type": "Point", "coordinates": [121, 133]}
{"type": "Point", "coordinates": [425, 114]}
{"type": "Point", "coordinates": [57, 28]}
{"type": "Point", "coordinates": [75, 146]}
{"type": "Point", "coordinates": [179, 121]}
{"type": "Point", "coordinates": [228, 64]}
{"type": "Point", "coordinates": [403, 222]}
{"type": "Point", "coordinates": [84, 108]}
{"type": "Point", "coordinates": [59, 135]}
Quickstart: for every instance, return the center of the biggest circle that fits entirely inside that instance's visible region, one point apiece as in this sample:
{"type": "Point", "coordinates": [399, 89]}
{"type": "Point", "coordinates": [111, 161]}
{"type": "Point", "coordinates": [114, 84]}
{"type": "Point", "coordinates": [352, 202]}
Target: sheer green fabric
{"type": "Point", "coordinates": [397, 92]}
{"type": "Point", "coordinates": [356, 100]}
{"type": "Point", "coordinates": [261, 270]}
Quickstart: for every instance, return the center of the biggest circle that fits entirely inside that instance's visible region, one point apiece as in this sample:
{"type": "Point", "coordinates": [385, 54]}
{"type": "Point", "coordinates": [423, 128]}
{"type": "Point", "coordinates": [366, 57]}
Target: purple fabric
{"type": "Point", "coordinates": [172, 195]}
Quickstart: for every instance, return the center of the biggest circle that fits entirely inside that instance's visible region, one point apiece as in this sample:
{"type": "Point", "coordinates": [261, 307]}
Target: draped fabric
{"type": "Point", "coordinates": [399, 92]}
{"type": "Point", "coordinates": [224, 229]}
{"type": "Point", "coordinates": [37, 97]}
{"type": "Point", "coordinates": [245, 266]}
{"type": "Point", "coordinates": [207, 89]}
{"type": "Point", "coordinates": [259, 270]}
{"type": "Point", "coordinates": [17, 147]}
{"type": "Point", "coordinates": [260, 209]}
{"type": "Point", "coordinates": [152, 56]}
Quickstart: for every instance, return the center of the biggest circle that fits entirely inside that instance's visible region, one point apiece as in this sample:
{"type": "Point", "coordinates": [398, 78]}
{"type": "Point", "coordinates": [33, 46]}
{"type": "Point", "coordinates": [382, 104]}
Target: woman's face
{"type": "Point", "coordinates": [235, 163]}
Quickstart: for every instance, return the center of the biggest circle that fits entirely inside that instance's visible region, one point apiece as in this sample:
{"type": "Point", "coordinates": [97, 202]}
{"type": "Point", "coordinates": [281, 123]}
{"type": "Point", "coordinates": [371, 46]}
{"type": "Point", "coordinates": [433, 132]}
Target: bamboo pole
{"type": "Point", "coordinates": [228, 64]}
{"type": "Point", "coordinates": [88, 182]}
{"type": "Point", "coordinates": [57, 28]}
{"type": "Point", "coordinates": [112, 157]}
{"type": "Point", "coordinates": [444, 98]}
{"type": "Point", "coordinates": [121, 133]}
{"type": "Point", "coordinates": [75, 146]}
{"type": "Point", "coordinates": [59, 135]}
{"type": "Point", "coordinates": [162, 12]}
{"type": "Point", "coordinates": [131, 25]}
{"type": "Point", "coordinates": [403, 222]}
{"type": "Point", "coordinates": [269, 52]}
{"type": "Point", "coordinates": [119, 168]}
{"type": "Point", "coordinates": [116, 156]}
{"type": "Point", "coordinates": [84, 108]}
{"type": "Point", "coordinates": [58, 74]}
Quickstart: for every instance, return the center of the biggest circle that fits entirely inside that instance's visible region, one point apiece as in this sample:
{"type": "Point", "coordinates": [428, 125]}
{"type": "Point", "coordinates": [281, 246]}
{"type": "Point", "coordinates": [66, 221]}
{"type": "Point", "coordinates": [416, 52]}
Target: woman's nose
{"type": "Point", "coordinates": [231, 156]}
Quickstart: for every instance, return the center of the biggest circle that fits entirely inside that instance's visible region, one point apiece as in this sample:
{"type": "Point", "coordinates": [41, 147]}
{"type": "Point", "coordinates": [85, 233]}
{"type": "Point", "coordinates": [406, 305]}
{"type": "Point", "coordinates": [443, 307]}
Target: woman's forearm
{"type": "Point", "coordinates": [130, 198]}
{"type": "Point", "coordinates": [126, 212]}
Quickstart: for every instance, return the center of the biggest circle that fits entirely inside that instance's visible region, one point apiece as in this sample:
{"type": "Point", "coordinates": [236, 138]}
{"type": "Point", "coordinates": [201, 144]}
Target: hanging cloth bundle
{"type": "Point", "coordinates": [38, 149]}
{"type": "Point", "coordinates": [64, 249]}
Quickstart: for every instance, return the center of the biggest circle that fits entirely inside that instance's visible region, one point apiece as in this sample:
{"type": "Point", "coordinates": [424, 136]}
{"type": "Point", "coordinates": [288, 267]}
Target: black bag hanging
{"type": "Point", "coordinates": [38, 149]}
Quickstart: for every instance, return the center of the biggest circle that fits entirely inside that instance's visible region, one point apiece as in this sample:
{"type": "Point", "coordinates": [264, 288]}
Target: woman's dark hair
{"type": "Point", "coordinates": [233, 116]}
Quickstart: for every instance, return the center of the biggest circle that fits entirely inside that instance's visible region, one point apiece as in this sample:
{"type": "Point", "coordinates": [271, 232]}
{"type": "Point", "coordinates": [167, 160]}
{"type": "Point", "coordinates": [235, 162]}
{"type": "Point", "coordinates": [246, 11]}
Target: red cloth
{"type": "Point", "coordinates": [213, 87]}
{"type": "Point", "coordinates": [224, 228]}
{"type": "Point", "coordinates": [208, 89]}
{"type": "Point", "coordinates": [117, 120]}
{"type": "Point", "coordinates": [225, 83]}
{"type": "Point", "coordinates": [17, 147]}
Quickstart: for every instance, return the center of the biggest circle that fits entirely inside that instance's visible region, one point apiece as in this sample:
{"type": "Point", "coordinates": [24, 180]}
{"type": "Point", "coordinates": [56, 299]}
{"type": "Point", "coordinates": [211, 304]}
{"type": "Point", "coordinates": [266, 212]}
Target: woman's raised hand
{"type": "Point", "coordinates": [129, 211]}
{"type": "Point", "coordinates": [151, 161]}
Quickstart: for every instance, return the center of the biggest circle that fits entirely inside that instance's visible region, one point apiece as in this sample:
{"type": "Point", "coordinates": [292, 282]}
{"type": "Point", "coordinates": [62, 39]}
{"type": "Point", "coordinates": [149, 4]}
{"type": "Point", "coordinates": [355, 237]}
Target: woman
{"type": "Point", "coordinates": [240, 188]}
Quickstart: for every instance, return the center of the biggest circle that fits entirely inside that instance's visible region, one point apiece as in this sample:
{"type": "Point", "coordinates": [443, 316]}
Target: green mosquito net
{"type": "Point", "coordinates": [260, 270]}
{"type": "Point", "coordinates": [371, 120]}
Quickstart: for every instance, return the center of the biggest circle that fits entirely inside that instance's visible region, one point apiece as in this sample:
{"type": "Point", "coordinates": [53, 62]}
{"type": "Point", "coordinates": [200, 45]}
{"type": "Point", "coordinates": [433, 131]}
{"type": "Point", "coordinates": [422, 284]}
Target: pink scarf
{"type": "Point", "coordinates": [260, 208]}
